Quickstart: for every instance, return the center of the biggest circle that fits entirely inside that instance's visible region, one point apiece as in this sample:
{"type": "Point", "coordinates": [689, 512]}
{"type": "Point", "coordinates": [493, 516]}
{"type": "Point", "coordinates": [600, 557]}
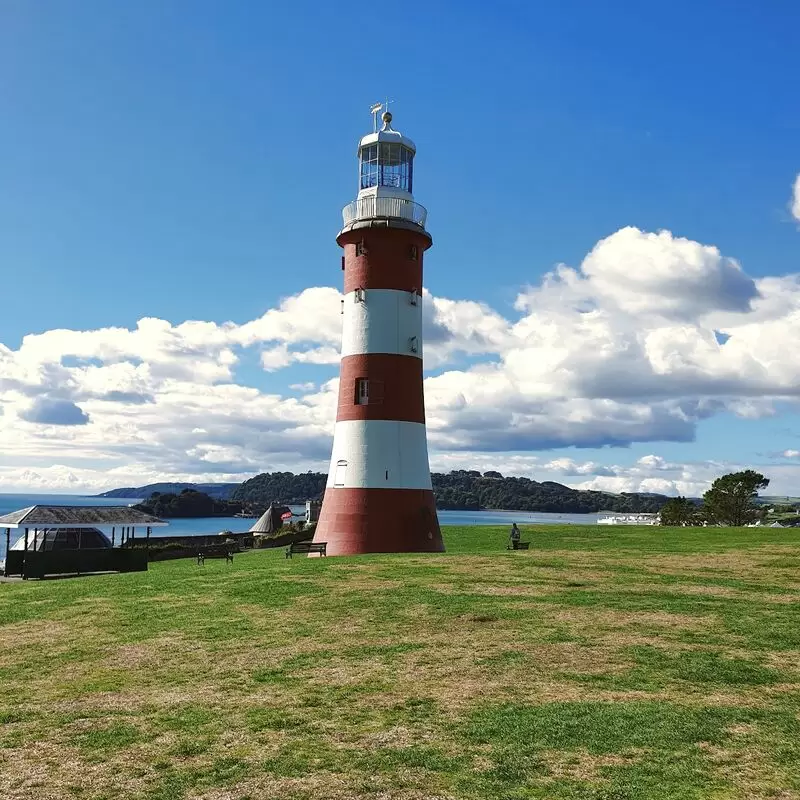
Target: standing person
{"type": "Point", "coordinates": [514, 533]}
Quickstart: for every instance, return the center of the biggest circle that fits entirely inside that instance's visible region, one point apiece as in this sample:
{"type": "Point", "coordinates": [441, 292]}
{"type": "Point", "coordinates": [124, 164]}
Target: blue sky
{"type": "Point", "coordinates": [188, 161]}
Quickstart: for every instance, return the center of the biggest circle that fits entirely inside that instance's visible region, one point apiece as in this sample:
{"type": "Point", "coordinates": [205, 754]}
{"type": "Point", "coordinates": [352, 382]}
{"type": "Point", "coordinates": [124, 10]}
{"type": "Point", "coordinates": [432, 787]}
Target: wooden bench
{"type": "Point", "coordinates": [515, 545]}
{"type": "Point", "coordinates": [215, 552]}
{"type": "Point", "coordinates": [306, 547]}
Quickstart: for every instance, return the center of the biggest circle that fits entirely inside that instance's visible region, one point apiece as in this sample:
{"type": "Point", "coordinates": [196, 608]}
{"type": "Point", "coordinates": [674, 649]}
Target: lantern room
{"type": "Point", "coordinates": [386, 162]}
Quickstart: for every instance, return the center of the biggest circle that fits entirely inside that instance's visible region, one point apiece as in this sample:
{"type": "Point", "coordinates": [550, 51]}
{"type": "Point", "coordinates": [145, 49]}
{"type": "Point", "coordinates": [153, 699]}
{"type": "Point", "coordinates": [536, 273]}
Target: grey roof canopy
{"type": "Point", "coordinates": [78, 517]}
{"type": "Point", "coordinates": [269, 522]}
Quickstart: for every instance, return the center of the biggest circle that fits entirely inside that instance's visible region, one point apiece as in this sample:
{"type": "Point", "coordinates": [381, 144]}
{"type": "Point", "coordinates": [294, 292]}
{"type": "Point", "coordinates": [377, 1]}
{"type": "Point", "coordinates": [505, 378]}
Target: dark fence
{"type": "Point", "coordinates": [74, 562]}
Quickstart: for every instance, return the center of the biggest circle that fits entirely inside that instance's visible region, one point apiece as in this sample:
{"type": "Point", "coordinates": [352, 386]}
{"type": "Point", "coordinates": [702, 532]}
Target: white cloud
{"type": "Point", "coordinates": [276, 358]}
{"type": "Point", "coordinates": [794, 204]}
{"type": "Point", "coordinates": [649, 336]}
{"type": "Point", "coordinates": [658, 273]}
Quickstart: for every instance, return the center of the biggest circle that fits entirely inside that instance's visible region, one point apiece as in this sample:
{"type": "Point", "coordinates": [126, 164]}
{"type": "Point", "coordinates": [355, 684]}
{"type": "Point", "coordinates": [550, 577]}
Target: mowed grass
{"type": "Point", "coordinates": [603, 663]}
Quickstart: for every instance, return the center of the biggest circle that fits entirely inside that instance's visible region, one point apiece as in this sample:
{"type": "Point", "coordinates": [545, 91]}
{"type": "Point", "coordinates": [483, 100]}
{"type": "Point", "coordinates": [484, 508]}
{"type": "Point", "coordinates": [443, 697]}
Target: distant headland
{"type": "Point", "coordinates": [460, 490]}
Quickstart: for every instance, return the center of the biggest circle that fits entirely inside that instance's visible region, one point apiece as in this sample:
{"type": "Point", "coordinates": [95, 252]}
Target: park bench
{"type": "Point", "coordinates": [516, 545]}
{"type": "Point", "coordinates": [218, 551]}
{"type": "Point", "coordinates": [306, 547]}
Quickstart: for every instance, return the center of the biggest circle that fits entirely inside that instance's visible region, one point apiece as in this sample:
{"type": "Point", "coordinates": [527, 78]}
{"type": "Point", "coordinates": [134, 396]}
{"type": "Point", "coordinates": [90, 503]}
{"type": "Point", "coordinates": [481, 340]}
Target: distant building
{"type": "Point", "coordinates": [629, 519]}
{"type": "Point", "coordinates": [312, 510]}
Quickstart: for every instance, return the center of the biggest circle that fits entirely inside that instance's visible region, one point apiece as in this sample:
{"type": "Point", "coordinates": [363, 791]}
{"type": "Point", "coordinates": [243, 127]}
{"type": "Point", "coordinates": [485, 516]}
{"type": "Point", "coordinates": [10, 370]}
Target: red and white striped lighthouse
{"type": "Point", "coordinates": [378, 497]}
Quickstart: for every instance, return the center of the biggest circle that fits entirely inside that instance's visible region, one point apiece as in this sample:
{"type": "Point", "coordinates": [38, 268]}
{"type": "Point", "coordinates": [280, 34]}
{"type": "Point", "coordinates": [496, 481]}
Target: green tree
{"type": "Point", "coordinates": [729, 501]}
{"type": "Point", "coordinates": [679, 511]}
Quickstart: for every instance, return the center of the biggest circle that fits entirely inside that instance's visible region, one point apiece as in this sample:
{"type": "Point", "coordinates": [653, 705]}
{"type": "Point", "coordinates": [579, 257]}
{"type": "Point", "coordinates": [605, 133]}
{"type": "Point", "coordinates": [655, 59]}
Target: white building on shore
{"type": "Point", "coordinates": [608, 518]}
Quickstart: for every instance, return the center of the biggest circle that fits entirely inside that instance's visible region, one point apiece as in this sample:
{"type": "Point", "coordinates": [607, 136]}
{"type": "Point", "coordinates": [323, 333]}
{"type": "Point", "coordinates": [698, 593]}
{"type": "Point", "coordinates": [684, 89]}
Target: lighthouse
{"type": "Point", "coordinates": [378, 497]}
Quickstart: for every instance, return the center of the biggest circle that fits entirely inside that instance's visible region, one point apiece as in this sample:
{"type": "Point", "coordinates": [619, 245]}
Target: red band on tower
{"type": "Point", "coordinates": [394, 388]}
{"type": "Point", "coordinates": [383, 258]}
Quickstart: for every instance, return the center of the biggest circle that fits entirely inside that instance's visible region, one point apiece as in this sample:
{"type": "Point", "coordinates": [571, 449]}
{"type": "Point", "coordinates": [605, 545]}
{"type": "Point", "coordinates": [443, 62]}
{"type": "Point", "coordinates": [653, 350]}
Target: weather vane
{"type": "Point", "coordinates": [375, 110]}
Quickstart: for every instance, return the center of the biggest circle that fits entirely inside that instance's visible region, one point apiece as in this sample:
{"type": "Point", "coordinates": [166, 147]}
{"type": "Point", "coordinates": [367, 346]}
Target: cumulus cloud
{"type": "Point", "coordinates": [794, 203]}
{"type": "Point", "coordinates": [48, 411]}
{"type": "Point", "coordinates": [647, 337]}
{"type": "Point", "coordinates": [658, 273]}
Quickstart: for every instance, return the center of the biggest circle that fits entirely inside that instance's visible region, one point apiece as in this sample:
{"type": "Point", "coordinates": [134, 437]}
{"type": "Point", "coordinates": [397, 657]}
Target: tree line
{"type": "Point", "coordinates": [730, 501]}
{"type": "Point", "coordinates": [188, 503]}
{"type": "Point", "coordinates": [468, 489]}
{"type": "Point", "coordinates": [461, 490]}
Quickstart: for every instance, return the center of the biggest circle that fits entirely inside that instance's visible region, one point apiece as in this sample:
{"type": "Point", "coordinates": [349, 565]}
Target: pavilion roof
{"type": "Point", "coordinates": [269, 522]}
{"type": "Point", "coordinates": [78, 517]}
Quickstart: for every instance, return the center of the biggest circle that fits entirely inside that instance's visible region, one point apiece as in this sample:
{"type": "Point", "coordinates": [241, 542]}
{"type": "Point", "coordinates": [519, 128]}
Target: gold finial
{"type": "Point", "coordinates": [387, 118]}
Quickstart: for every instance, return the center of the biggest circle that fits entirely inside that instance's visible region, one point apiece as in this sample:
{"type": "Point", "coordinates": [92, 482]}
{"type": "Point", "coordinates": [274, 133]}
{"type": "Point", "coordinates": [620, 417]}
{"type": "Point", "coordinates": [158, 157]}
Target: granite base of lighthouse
{"type": "Point", "coordinates": [360, 521]}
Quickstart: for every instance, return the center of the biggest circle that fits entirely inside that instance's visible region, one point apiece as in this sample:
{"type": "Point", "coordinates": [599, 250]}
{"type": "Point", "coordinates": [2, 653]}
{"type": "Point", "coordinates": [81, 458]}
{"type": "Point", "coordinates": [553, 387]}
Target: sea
{"type": "Point", "coordinates": [206, 525]}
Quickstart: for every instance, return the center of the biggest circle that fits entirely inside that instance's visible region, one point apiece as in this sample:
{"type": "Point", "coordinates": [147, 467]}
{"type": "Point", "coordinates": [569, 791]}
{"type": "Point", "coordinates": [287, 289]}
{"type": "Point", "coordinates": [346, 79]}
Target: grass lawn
{"type": "Point", "coordinates": [604, 663]}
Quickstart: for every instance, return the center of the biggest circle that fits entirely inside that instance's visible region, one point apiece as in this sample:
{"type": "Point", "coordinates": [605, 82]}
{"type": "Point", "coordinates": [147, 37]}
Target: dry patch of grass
{"type": "Point", "coordinates": [580, 765]}
{"type": "Point", "coordinates": [18, 638]}
{"type": "Point", "coordinates": [59, 772]}
{"type": "Point", "coordinates": [750, 769]}
{"type": "Point", "coordinates": [516, 590]}
{"type": "Point", "coordinates": [600, 619]}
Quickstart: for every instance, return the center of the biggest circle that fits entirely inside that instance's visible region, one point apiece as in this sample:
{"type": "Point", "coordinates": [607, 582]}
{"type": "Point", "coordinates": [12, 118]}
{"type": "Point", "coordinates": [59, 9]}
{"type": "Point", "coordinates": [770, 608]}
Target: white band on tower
{"type": "Point", "coordinates": [379, 454]}
{"type": "Point", "coordinates": [382, 321]}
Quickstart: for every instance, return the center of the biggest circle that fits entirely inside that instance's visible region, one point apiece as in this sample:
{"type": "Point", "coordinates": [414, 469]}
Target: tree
{"type": "Point", "coordinates": [679, 511]}
{"type": "Point", "coordinates": [729, 501]}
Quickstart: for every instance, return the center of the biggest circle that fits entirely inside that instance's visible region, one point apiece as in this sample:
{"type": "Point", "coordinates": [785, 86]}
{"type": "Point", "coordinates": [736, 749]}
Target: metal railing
{"type": "Point", "coordinates": [383, 207]}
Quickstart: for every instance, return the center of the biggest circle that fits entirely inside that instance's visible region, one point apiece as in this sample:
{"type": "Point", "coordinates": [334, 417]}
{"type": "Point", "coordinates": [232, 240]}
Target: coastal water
{"type": "Point", "coordinates": [206, 525]}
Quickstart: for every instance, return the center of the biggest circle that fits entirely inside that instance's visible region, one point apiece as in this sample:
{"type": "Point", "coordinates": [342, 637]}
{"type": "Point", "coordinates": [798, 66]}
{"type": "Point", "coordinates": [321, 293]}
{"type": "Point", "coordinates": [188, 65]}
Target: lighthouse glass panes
{"type": "Point", "coordinates": [387, 164]}
{"type": "Point", "coordinates": [369, 166]}
{"type": "Point", "coordinates": [394, 166]}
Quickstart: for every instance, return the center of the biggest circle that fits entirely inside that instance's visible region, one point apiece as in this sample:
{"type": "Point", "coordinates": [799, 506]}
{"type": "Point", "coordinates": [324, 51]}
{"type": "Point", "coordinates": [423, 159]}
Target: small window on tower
{"type": "Point", "coordinates": [362, 392]}
{"type": "Point", "coordinates": [414, 253]}
{"type": "Point", "coordinates": [361, 248]}
{"type": "Point", "coordinates": [340, 473]}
